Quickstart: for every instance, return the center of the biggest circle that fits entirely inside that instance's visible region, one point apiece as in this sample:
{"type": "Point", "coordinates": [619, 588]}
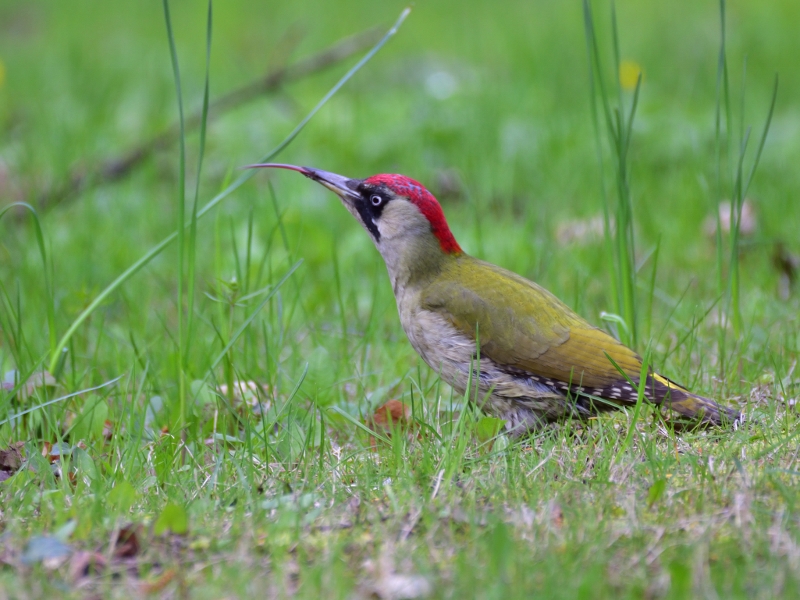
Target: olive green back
{"type": "Point", "coordinates": [523, 326]}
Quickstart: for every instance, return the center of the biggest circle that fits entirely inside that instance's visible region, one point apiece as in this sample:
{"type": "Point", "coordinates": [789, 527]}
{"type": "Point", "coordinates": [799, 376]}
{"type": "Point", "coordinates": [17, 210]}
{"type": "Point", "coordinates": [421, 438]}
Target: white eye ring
{"type": "Point", "coordinates": [376, 200]}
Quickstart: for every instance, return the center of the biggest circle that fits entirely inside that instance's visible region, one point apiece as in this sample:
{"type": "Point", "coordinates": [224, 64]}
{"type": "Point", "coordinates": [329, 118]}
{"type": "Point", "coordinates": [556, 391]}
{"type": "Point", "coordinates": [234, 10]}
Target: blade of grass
{"type": "Point", "coordinates": [173, 52]}
{"type": "Point", "coordinates": [739, 185]}
{"type": "Point", "coordinates": [46, 272]}
{"type": "Point", "coordinates": [652, 289]}
{"type": "Point", "coordinates": [721, 101]}
{"type": "Point", "coordinates": [359, 424]}
{"type": "Point", "coordinates": [641, 386]}
{"type": "Point", "coordinates": [764, 133]}
{"type": "Point", "coordinates": [252, 316]}
{"type": "Point", "coordinates": [59, 399]}
{"type": "Point", "coordinates": [201, 154]}
{"type": "Point", "coordinates": [619, 126]}
{"type": "Point", "coordinates": [20, 380]}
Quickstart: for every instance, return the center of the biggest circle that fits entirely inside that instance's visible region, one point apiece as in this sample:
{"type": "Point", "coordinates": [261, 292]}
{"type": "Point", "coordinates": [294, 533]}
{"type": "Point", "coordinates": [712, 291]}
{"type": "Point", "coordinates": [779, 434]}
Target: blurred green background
{"type": "Point", "coordinates": [487, 104]}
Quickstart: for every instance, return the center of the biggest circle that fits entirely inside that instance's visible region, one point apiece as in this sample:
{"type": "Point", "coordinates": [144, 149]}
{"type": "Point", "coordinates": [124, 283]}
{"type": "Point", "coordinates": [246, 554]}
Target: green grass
{"type": "Point", "coordinates": [281, 490]}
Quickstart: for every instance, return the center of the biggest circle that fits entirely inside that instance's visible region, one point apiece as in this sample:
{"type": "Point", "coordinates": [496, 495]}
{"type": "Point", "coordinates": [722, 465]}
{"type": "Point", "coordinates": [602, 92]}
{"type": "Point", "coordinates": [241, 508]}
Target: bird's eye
{"type": "Point", "coordinates": [376, 200]}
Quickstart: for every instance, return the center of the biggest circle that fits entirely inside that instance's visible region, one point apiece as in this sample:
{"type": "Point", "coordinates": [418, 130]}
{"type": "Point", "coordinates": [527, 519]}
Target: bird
{"type": "Point", "coordinates": [526, 357]}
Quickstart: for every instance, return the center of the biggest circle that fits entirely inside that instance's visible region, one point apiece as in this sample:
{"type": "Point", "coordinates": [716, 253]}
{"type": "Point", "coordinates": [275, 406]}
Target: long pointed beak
{"type": "Point", "coordinates": [346, 189]}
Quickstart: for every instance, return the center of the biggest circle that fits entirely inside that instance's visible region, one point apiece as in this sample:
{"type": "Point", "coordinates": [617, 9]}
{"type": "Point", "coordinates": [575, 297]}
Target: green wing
{"type": "Point", "coordinates": [523, 326]}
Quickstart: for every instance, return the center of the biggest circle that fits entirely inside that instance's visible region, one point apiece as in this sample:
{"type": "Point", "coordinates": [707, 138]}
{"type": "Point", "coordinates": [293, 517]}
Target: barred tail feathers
{"type": "Point", "coordinates": [687, 404]}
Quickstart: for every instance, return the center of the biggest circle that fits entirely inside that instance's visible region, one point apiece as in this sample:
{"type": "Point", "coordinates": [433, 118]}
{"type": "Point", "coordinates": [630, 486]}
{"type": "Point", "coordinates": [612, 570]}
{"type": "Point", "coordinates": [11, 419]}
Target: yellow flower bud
{"type": "Point", "coordinates": [629, 72]}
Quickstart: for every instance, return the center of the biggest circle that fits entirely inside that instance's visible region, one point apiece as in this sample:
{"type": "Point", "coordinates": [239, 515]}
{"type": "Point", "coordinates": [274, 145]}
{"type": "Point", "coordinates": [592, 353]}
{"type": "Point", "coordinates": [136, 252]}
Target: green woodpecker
{"type": "Point", "coordinates": [531, 358]}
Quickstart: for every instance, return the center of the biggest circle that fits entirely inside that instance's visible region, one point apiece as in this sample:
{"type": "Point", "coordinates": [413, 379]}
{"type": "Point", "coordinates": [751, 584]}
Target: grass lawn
{"type": "Point", "coordinates": [204, 431]}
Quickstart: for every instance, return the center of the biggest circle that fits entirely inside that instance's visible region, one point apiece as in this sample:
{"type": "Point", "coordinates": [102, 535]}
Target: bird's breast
{"type": "Point", "coordinates": [441, 346]}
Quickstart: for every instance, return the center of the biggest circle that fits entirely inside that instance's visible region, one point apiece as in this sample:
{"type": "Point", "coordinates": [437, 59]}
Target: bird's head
{"type": "Point", "coordinates": [402, 217]}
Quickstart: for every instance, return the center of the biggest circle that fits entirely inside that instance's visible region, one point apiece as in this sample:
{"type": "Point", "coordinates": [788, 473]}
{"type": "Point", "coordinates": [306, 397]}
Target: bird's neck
{"type": "Point", "coordinates": [414, 263]}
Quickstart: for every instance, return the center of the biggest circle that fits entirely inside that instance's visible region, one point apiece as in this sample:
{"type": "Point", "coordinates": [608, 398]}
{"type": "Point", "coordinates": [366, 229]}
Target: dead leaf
{"type": "Point", "coordinates": [389, 418]}
{"type": "Point", "coordinates": [787, 265]}
{"type": "Point", "coordinates": [582, 231]}
{"type": "Point", "coordinates": [37, 380]}
{"type": "Point", "coordinates": [11, 458]}
{"type": "Point", "coordinates": [46, 549]}
{"type": "Point", "coordinates": [388, 584]}
{"type": "Point", "coordinates": [108, 430]}
{"type": "Point", "coordinates": [5, 179]}
{"type": "Point", "coordinates": [126, 544]}
{"type": "Point", "coordinates": [393, 413]}
{"type": "Point", "coordinates": [159, 583]}
{"type": "Point", "coordinates": [10, 461]}
{"type": "Point", "coordinates": [11, 188]}
{"type": "Point", "coordinates": [747, 223]}
{"type": "Point", "coordinates": [396, 586]}
{"type": "Point", "coordinates": [53, 452]}
{"type": "Point", "coordinates": [449, 184]}
{"type": "Point", "coordinates": [86, 564]}
{"type": "Point", "coordinates": [556, 515]}
{"type": "Point", "coordinates": [248, 392]}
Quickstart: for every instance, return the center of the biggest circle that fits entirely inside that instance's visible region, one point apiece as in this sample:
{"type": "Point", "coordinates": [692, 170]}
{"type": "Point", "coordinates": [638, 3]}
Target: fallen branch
{"type": "Point", "coordinates": [119, 167]}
